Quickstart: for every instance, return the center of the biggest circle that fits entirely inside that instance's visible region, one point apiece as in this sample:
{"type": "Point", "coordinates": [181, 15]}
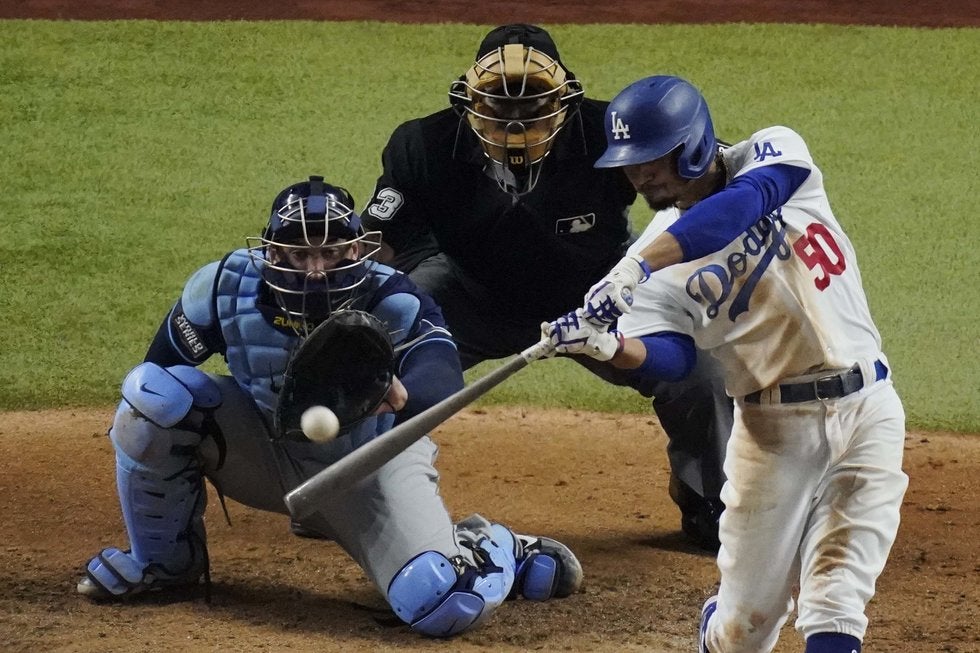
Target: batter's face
{"type": "Point", "coordinates": [658, 182]}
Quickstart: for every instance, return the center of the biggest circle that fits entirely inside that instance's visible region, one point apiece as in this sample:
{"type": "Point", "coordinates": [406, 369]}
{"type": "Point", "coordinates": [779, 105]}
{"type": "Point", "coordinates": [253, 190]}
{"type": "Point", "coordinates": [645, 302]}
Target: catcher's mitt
{"type": "Point", "coordinates": [346, 364]}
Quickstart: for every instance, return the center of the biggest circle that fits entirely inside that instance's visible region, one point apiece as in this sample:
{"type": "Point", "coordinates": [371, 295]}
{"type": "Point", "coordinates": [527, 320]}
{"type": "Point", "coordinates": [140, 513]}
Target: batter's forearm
{"type": "Point", "coordinates": [663, 251]}
{"type": "Point", "coordinates": [632, 355]}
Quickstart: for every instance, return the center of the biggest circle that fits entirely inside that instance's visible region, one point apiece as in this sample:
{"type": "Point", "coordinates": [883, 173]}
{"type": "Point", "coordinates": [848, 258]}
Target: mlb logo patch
{"type": "Point", "coordinates": [575, 225]}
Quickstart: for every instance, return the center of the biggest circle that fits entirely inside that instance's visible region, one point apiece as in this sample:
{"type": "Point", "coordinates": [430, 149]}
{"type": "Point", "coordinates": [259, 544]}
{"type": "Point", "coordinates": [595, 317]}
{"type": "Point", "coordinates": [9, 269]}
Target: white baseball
{"type": "Point", "coordinates": [319, 424]}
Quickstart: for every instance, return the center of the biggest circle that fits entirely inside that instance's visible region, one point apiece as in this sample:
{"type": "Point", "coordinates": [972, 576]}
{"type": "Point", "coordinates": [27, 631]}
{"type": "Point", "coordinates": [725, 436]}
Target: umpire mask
{"type": "Point", "coordinates": [314, 252]}
{"type": "Point", "coordinates": [516, 98]}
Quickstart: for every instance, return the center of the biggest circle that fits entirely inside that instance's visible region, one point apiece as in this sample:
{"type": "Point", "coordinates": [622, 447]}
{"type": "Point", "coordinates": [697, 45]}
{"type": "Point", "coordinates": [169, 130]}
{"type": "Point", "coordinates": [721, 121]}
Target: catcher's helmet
{"type": "Point", "coordinates": [313, 220]}
{"type": "Point", "coordinates": [516, 98]}
{"type": "Point", "coordinates": [654, 116]}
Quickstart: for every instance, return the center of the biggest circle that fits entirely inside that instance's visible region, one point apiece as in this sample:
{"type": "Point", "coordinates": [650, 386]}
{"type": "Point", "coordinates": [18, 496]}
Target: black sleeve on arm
{"type": "Point", "coordinates": [393, 209]}
{"type": "Point", "coordinates": [416, 251]}
{"type": "Point", "coordinates": [179, 342]}
{"type": "Point", "coordinates": [161, 351]}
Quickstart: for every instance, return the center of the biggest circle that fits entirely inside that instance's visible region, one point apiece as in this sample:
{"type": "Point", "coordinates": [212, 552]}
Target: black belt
{"type": "Point", "coordinates": [833, 386]}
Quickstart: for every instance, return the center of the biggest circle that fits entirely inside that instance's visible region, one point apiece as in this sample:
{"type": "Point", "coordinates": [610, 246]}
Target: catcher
{"type": "Point", "coordinates": [303, 315]}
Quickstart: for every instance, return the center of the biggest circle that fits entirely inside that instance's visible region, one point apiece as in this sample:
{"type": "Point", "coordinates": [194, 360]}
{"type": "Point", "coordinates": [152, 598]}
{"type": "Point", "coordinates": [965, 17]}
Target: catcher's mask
{"type": "Point", "coordinates": [516, 98]}
{"type": "Point", "coordinates": [313, 253]}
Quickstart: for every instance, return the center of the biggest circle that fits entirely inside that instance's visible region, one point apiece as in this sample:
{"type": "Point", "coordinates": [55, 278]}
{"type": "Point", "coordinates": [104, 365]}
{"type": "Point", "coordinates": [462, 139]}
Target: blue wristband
{"type": "Point", "coordinates": [646, 270]}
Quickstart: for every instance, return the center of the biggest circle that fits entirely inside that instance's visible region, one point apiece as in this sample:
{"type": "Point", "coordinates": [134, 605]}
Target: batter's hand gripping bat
{"type": "Point", "coordinates": [303, 500]}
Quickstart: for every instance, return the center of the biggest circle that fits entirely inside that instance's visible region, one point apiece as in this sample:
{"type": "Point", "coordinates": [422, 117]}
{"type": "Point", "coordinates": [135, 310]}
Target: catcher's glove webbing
{"type": "Point", "coordinates": [346, 364]}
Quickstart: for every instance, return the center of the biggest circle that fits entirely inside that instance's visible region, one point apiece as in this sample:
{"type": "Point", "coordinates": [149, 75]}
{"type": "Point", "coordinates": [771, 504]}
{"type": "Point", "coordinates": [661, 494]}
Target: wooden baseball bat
{"type": "Point", "coordinates": [304, 499]}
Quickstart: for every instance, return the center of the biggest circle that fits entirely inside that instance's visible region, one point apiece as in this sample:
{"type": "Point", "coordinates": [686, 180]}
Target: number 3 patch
{"type": "Point", "coordinates": [386, 203]}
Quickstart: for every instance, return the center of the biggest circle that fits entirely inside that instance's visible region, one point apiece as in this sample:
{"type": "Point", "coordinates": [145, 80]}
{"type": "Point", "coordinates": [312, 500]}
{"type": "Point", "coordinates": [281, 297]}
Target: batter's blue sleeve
{"type": "Point", "coordinates": [717, 220]}
{"type": "Point", "coordinates": [670, 357]}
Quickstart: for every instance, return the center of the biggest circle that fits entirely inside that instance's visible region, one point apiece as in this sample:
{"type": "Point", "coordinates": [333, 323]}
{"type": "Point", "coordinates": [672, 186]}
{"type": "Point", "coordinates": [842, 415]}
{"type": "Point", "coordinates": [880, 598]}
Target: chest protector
{"type": "Point", "coordinates": [257, 352]}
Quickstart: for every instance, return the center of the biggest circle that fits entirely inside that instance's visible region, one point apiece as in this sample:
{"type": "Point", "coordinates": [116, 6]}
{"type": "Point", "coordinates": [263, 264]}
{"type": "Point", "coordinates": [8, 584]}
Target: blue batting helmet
{"type": "Point", "coordinates": [653, 117]}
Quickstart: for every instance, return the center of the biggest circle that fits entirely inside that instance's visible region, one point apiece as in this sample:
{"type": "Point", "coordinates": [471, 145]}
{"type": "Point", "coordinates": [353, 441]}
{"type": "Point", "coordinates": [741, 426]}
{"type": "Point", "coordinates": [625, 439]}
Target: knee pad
{"type": "Point", "coordinates": [152, 425]}
{"type": "Point", "coordinates": [442, 598]}
{"type": "Point", "coordinates": [158, 474]}
{"type": "Point", "coordinates": [164, 396]}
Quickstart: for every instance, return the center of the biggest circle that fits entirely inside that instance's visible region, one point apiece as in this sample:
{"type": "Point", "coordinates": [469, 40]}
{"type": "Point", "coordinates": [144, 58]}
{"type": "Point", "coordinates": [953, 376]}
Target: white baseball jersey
{"type": "Point", "coordinates": [782, 300]}
{"type": "Point", "coordinates": [814, 488]}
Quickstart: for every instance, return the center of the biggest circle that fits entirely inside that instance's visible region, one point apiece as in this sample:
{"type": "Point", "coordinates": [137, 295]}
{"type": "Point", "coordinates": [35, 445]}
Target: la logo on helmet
{"type": "Point", "coordinates": [619, 128]}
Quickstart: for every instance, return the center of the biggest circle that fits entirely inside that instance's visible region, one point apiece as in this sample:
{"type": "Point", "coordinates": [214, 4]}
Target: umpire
{"type": "Point", "coordinates": [495, 208]}
{"type": "Point", "coordinates": [493, 203]}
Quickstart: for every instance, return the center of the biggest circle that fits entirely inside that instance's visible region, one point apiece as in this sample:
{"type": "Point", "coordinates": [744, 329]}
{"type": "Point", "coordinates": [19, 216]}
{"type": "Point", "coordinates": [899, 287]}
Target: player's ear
{"type": "Point", "coordinates": [274, 254]}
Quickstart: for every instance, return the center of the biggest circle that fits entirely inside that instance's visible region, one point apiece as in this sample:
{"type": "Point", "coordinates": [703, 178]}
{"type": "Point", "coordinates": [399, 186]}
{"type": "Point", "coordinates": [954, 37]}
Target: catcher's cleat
{"type": "Point", "coordinates": [546, 568]}
{"type": "Point", "coordinates": [707, 610]}
{"type": "Point", "coordinates": [537, 568]}
{"type": "Point", "coordinates": [115, 575]}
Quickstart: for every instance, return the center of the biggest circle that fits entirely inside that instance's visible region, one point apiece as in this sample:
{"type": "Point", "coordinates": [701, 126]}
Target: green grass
{"type": "Point", "coordinates": [135, 151]}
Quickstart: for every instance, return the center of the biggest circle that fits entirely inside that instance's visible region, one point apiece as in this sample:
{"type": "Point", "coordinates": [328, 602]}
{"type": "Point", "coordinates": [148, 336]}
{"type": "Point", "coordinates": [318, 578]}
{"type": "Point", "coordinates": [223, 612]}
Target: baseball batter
{"type": "Point", "coordinates": [758, 271]}
{"type": "Point", "coordinates": [177, 424]}
{"type": "Point", "coordinates": [494, 207]}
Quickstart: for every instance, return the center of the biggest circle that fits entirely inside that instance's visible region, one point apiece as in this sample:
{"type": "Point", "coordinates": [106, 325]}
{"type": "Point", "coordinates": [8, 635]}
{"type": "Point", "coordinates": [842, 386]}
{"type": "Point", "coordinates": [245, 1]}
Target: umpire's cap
{"type": "Point", "coordinates": [530, 36]}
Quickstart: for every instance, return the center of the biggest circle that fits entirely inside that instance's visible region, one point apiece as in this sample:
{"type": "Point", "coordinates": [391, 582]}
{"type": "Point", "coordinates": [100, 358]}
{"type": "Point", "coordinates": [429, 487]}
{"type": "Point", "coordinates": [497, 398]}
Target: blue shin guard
{"type": "Point", "coordinates": [160, 485]}
{"type": "Point", "coordinates": [164, 519]}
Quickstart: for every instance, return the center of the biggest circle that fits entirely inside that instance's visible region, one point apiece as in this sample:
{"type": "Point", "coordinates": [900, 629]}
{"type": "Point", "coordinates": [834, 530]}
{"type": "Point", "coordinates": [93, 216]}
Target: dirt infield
{"type": "Point", "coordinates": [596, 481]}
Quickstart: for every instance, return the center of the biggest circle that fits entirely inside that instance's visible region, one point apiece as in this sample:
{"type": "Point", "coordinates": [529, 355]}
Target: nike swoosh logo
{"type": "Point", "coordinates": [147, 390]}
